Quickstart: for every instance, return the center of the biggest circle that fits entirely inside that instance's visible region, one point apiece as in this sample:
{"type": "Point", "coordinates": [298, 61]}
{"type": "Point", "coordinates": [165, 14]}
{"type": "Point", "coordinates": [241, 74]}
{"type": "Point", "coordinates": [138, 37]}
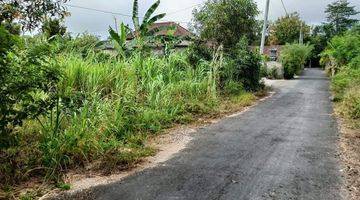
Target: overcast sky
{"type": "Point", "coordinates": [81, 20]}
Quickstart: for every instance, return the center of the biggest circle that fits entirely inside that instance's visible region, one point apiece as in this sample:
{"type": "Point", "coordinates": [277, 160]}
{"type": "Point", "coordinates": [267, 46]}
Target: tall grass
{"type": "Point", "coordinates": [107, 109]}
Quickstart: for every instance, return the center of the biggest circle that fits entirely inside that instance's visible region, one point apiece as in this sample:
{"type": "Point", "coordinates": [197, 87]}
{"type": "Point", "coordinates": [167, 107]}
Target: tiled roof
{"type": "Point", "coordinates": [179, 31]}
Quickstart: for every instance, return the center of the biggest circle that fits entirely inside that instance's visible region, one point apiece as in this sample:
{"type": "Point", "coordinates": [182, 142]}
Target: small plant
{"type": "Point", "coordinates": [64, 186]}
{"type": "Point", "coordinates": [120, 38]}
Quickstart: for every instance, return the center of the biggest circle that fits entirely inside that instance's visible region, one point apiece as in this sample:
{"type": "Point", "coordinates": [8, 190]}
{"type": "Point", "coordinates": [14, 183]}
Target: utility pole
{"type": "Point", "coordinates": [301, 38]}
{"type": "Point", "coordinates": [262, 46]}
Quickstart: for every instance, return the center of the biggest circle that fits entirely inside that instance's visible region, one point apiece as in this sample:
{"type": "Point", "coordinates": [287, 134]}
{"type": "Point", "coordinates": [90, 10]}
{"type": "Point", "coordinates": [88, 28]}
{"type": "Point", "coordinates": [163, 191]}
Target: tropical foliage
{"type": "Point", "coordinates": [67, 104]}
{"type": "Point", "coordinates": [293, 58]}
{"type": "Point", "coordinates": [120, 38]}
{"type": "Point", "coordinates": [30, 14]}
{"type": "Point", "coordinates": [287, 29]}
{"type": "Point", "coordinates": [226, 22]}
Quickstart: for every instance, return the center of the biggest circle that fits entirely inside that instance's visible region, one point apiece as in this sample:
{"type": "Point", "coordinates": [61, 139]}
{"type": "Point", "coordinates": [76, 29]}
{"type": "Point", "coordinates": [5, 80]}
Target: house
{"type": "Point", "coordinates": [178, 31]}
{"type": "Point", "coordinates": [164, 26]}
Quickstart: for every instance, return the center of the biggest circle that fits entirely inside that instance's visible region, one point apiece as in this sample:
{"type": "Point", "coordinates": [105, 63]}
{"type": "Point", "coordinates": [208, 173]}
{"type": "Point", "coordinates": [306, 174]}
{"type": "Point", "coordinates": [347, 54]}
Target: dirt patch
{"type": "Point", "coordinates": [350, 156]}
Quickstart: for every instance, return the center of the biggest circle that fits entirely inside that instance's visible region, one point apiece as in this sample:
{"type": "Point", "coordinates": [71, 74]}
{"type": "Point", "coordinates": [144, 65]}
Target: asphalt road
{"type": "Point", "coordinates": [284, 148]}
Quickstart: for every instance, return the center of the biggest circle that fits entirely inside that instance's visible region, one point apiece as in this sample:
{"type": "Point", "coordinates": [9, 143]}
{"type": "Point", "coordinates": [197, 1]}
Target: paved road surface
{"type": "Point", "coordinates": [284, 148]}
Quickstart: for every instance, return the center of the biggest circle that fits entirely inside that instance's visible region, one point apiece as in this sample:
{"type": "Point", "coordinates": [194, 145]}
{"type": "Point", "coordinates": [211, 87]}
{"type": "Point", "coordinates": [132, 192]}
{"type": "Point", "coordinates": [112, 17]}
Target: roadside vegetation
{"type": "Point", "coordinates": [67, 104]}
{"type": "Point", "coordinates": [343, 65]}
{"type": "Point", "coordinates": [293, 58]}
{"type": "Point", "coordinates": [342, 62]}
{"type": "Point", "coordinates": [341, 59]}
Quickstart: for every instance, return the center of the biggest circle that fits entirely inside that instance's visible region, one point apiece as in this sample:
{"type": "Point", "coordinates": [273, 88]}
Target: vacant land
{"type": "Point", "coordinates": [285, 148]}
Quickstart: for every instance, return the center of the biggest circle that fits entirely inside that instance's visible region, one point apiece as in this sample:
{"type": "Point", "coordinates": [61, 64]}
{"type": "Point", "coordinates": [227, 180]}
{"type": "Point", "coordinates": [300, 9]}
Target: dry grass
{"type": "Point", "coordinates": [350, 154]}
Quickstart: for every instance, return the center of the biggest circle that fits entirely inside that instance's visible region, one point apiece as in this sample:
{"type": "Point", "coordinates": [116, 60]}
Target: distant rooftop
{"type": "Point", "coordinates": [179, 30]}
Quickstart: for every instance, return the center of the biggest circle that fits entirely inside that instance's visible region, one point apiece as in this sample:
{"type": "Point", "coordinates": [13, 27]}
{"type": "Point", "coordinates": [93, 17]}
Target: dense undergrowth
{"type": "Point", "coordinates": [100, 108]}
{"type": "Point", "coordinates": [342, 60]}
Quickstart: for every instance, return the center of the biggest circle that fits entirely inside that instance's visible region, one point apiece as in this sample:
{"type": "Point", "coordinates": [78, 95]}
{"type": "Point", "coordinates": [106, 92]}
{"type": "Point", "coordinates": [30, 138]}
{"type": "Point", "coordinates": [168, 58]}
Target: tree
{"type": "Point", "coordinates": [53, 27]}
{"type": "Point", "coordinates": [30, 13]}
{"type": "Point", "coordinates": [339, 15]}
{"type": "Point", "coordinates": [227, 21]}
{"type": "Point", "coordinates": [286, 29]}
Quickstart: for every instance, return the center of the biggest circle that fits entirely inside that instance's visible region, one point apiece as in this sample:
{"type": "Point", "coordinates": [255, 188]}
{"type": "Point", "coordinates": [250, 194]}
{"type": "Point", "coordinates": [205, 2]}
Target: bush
{"type": "Point", "coordinates": [197, 52]}
{"type": "Point", "coordinates": [342, 50]}
{"type": "Point", "coordinates": [351, 103]}
{"type": "Point", "coordinates": [293, 58]}
{"type": "Point", "coordinates": [343, 80]}
{"type": "Point", "coordinates": [343, 55]}
{"type": "Point", "coordinates": [355, 63]}
{"type": "Point", "coordinates": [274, 73]}
{"type": "Point", "coordinates": [263, 71]}
{"type": "Point", "coordinates": [233, 88]}
{"type": "Point", "coordinates": [28, 80]}
{"type": "Point", "coordinates": [243, 66]}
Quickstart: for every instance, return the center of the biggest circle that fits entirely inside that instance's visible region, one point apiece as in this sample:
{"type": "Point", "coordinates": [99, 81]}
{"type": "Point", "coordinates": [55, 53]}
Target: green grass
{"type": "Point", "coordinates": [107, 111]}
{"type": "Point", "coordinates": [345, 86]}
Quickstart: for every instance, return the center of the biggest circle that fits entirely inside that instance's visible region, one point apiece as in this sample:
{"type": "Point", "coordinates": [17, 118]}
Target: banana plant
{"type": "Point", "coordinates": [120, 38]}
{"type": "Point", "coordinates": [143, 30]}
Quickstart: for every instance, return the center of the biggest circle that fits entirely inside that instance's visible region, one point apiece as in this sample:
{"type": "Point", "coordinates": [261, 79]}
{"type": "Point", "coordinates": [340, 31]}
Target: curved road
{"type": "Point", "coordinates": [284, 148]}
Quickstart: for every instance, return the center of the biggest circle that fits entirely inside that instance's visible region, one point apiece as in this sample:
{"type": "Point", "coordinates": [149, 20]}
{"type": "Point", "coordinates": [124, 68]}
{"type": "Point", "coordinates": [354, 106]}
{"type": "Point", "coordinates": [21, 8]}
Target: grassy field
{"type": "Point", "coordinates": [106, 110]}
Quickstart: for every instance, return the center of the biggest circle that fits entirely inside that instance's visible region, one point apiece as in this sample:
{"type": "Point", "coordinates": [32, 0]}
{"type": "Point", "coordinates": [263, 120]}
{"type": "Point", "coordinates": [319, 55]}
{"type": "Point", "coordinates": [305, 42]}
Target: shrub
{"type": "Point", "coordinates": [197, 52]}
{"type": "Point", "coordinates": [28, 81]}
{"type": "Point", "coordinates": [343, 80]}
{"type": "Point", "coordinates": [293, 58]}
{"type": "Point", "coordinates": [274, 73]}
{"type": "Point", "coordinates": [355, 63]}
{"type": "Point", "coordinates": [233, 88]}
{"type": "Point", "coordinates": [351, 103]}
{"type": "Point", "coordinates": [263, 71]}
{"type": "Point", "coordinates": [243, 66]}
{"type": "Point", "coordinates": [342, 50]}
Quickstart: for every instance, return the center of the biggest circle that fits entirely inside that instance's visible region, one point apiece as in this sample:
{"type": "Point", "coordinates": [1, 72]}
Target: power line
{"type": "Point", "coordinates": [97, 10]}
{"type": "Point", "coordinates": [282, 2]}
{"type": "Point", "coordinates": [126, 15]}
{"type": "Point", "coordinates": [181, 10]}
